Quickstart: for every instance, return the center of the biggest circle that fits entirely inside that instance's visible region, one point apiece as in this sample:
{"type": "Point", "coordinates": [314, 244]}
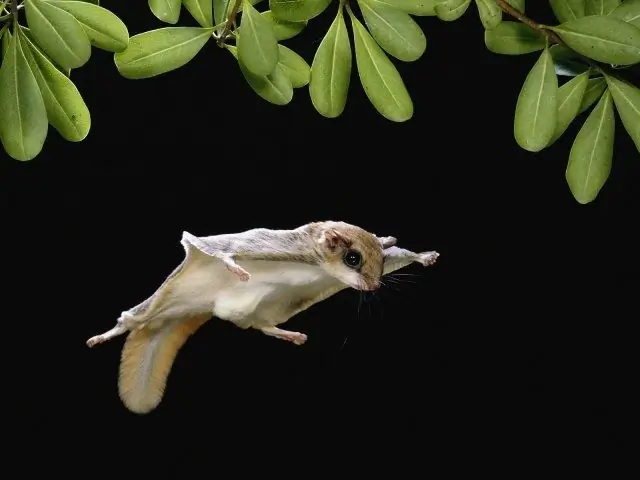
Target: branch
{"type": "Point", "coordinates": [507, 8]}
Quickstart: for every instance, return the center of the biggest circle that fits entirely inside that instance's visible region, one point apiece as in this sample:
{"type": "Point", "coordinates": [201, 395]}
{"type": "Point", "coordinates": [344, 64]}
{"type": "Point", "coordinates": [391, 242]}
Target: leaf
{"type": "Point", "coordinates": [569, 99]}
{"type": "Point", "coordinates": [381, 81]}
{"type": "Point", "coordinates": [627, 100]}
{"type": "Point", "coordinates": [58, 33]}
{"type": "Point", "coordinates": [605, 39]}
{"type": "Point", "coordinates": [518, 5]}
{"type": "Point", "coordinates": [537, 108]}
{"type": "Point", "coordinates": [298, 10]}
{"type": "Point", "coordinates": [450, 10]}
{"type": "Point", "coordinates": [394, 30]}
{"type": "Point", "coordinates": [567, 10]}
{"type": "Point", "coordinates": [513, 38]}
{"type": "Point", "coordinates": [167, 11]}
{"type": "Point", "coordinates": [257, 44]}
{"type": "Point", "coordinates": [296, 68]}
{"type": "Point", "coordinates": [27, 32]}
{"type": "Point", "coordinates": [103, 28]}
{"type": "Point", "coordinates": [331, 70]}
{"type": "Point", "coordinates": [490, 13]}
{"type": "Point", "coordinates": [595, 89]}
{"type": "Point", "coordinates": [567, 62]}
{"type": "Point", "coordinates": [628, 11]}
{"type": "Point", "coordinates": [283, 29]}
{"type": "Point", "coordinates": [591, 155]}
{"type": "Point", "coordinates": [418, 8]}
{"type": "Point", "coordinates": [600, 7]}
{"type": "Point", "coordinates": [160, 51]}
{"type": "Point", "coordinates": [201, 11]}
{"type": "Point", "coordinates": [66, 110]}
{"type": "Point", "coordinates": [275, 88]}
{"type": "Point", "coordinates": [6, 40]}
{"type": "Point", "coordinates": [23, 124]}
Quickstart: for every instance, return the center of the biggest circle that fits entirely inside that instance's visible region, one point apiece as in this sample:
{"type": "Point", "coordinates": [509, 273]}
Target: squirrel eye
{"type": "Point", "coordinates": [352, 259]}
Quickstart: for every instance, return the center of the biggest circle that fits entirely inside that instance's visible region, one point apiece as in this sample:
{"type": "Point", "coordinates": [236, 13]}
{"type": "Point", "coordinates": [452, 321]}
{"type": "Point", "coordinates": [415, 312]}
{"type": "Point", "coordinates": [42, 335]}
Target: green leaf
{"type": "Point", "coordinates": [201, 11]}
{"type": "Point", "coordinates": [58, 33]}
{"type": "Point", "coordinates": [600, 7]}
{"type": "Point", "coordinates": [490, 13]}
{"type": "Point", "coordinates": [103, 28]}
{"type": "Point", "coordinates": [450, 10]}
{"type": "Point", "coordinates": [595, 89]}
{"type": "Point", "coordinates": [381, 81]}
{"type": "Point", "coordinates": [160, 51]}
{"type": "Point", "coordinates": [537, 108]}
{"type": "Point", "coordinates": [66, 110]}
{"type": "Point", "coordinates": [605, 39]}
{"type": "Point", "coordinates": [518, 5]}
{"type": "Point", "coordinates": [418, 8]}
{"type": "Point", "coordinates": [296, 68]}
{"type": "Point", "coordinates": [569, 100]}
{"type": "Point", "coordinates": [167, 11]}
{"type": "Point", "coordinates": [567, 62]}
{"type": "Point", "coordinates": [627, 100]}
{"type": "Point", "coordinates": [283, 29]}
{"type": "Point", "coordinates": [394, 30]}
{"type": "Point", "coordinates": [23, 124]}
{"type": "Point", "coordinates": [298, 10]}
{"type": "Point", "coordinates": [331, 70]}
{"type": "Point", "coordinates": [592, 152]}
{"type": "Point", "coordinates": [513, 38]}
{"type": "Point", "coordinates": [6, 40]}
{"type": "Point", "coordinates": [27, 32]}
{"type": "Point", "coordinates": [275, 88]}
{"type": "Point", "coordinates": [628, 11]}
{"type": "Point", "coordinates": [567, 10]}
{"type": "Point", "coordinates": [257, 44]}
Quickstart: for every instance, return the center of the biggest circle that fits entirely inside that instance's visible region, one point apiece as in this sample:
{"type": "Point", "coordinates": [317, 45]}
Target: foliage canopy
{"type": "Point", "coordinates": [579, 63]}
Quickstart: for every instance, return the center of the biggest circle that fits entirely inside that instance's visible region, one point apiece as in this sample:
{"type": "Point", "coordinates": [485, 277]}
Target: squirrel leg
{"type": "Point", "coordinates": [293, 337]}
{"type": "Point", "coordinates": [236, 269]}
{"type": "Point", "coordinates": [108, 335]}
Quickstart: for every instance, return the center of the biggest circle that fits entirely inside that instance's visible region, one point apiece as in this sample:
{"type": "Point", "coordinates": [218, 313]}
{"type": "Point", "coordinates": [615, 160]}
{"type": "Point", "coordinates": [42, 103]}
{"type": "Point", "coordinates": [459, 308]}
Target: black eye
{"type": "Point", "coordinates": [352, 259]}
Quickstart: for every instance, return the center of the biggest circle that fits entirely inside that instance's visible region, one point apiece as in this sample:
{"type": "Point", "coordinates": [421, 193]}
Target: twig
{"type": "Point", "coordinates": [231, 20]}
{"type": "Point", "coordinates": [507, 8]}
{"type": "Point", "coordinates": [14, 11]}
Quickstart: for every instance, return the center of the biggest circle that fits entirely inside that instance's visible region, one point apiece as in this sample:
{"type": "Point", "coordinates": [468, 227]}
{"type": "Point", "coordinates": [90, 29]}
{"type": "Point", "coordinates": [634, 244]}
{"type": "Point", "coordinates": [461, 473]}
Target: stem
{"type": "Point", "coordinates": [507, 8]}
{"type": "Point", "coordinates": [231, 20]}
{"type": "Point", "coordinates": [14, 11]}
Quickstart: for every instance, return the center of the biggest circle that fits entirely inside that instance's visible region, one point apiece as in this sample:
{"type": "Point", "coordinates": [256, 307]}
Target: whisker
{"type": "Point", "coordinates": [404, 280]}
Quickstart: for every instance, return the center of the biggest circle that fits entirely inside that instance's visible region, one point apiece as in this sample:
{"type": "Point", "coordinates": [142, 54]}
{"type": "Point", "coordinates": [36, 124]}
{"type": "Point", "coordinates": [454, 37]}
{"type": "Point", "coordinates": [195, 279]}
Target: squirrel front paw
{"type": "Point", "coordinates": [239, 272]}
{"type": "Point", "coordinates": [428, 258]}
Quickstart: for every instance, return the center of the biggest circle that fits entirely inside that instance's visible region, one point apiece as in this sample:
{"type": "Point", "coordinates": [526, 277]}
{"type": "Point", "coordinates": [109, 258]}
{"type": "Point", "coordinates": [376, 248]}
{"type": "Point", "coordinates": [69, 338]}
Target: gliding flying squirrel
{"type": "Point", "coordinates": [258, 279]}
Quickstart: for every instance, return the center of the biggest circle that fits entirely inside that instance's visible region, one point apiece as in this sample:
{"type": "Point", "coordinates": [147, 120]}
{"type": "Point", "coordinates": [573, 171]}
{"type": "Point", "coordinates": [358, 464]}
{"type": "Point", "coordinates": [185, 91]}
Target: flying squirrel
{"type": "Point", "coordinates": [258, 279]}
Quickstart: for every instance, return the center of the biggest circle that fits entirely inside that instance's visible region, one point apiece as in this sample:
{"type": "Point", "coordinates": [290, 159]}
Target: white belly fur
{"type": "Point", "coordinates": [270, 282]}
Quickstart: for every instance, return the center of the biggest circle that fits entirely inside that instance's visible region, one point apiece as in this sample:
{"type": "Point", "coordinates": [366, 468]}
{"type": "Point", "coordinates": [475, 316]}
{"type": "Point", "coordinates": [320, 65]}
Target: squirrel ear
{"type": "Point", "coordinates": [334, 239]}
{"type": "Point", "coordinates": [386, 242]}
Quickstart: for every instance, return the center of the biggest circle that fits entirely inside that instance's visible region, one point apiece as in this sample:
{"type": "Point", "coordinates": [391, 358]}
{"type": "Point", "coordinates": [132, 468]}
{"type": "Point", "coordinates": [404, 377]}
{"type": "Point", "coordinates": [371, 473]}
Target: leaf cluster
{"type": "Point", "coordinates": [36, 89]}
{"type": "Point", "coordinates": [579, 68]}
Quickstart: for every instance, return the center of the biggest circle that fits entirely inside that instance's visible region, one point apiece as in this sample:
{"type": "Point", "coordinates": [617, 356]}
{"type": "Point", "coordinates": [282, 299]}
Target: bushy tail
{"type": "Point", "coordinates": [147, 358]}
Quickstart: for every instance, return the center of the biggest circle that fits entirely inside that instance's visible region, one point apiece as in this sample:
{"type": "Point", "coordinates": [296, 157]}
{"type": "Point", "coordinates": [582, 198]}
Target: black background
{"type": "Point", "coordinates": [518, 340]}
